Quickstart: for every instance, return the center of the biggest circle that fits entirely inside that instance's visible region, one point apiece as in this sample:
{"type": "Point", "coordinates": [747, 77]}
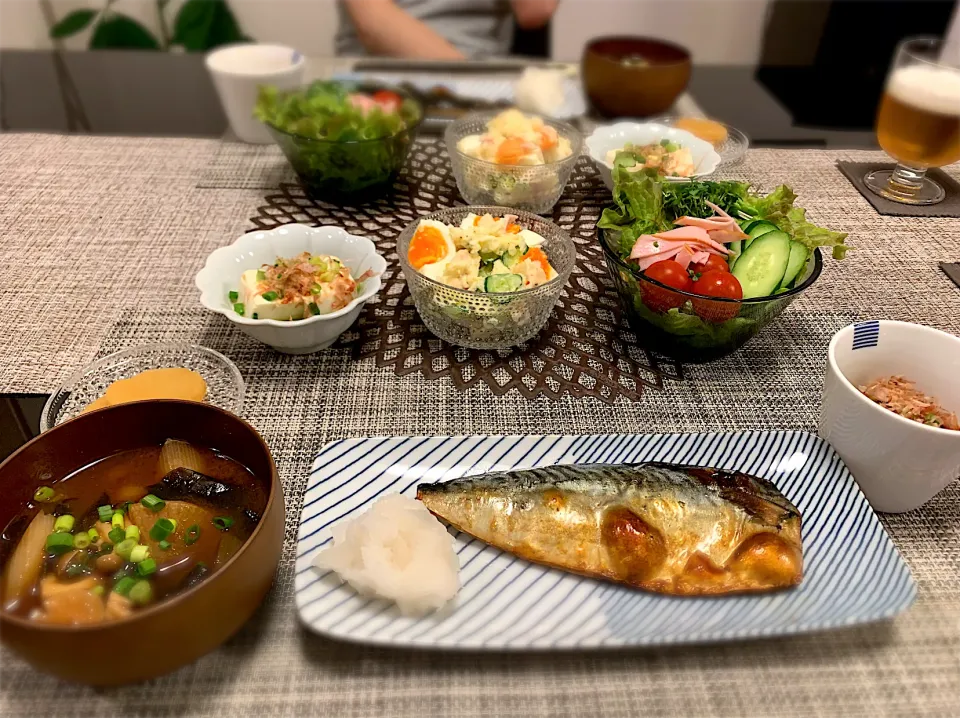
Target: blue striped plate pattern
{"type": "Point", "coordinates": [853, 573]}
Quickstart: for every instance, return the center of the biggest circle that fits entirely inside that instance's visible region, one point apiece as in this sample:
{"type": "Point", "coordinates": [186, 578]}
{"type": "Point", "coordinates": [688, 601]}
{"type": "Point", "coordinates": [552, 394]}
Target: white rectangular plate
{"type": "Point", "coordinates": [852, 571]}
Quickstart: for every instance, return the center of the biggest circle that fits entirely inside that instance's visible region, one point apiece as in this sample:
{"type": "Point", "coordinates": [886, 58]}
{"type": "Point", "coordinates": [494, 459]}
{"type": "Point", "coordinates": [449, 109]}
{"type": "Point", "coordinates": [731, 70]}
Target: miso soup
{"type": "Point", "coordinates": [126, 532]}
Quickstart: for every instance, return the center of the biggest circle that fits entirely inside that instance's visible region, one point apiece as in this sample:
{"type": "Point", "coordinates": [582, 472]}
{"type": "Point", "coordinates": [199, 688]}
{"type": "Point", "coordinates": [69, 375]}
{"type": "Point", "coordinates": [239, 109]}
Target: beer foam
{"type": "Point", "coordinates": [927, 87]}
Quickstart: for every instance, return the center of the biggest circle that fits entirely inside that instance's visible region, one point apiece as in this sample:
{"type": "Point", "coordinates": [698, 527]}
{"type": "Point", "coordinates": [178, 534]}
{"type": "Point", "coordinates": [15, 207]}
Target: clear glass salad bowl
{"type": "Point", "coordinates": [488, 321]}
{"type": "Point", "coordinates": [348, 170]}
{"type": "Point", "coordinates": [534, 188]}
{"type": "Point", "coordinates": [686, 326]}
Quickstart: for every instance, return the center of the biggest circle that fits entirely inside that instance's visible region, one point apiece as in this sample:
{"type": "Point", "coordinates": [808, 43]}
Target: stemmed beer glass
{"type": "Point", "coordinates": [919, 122]}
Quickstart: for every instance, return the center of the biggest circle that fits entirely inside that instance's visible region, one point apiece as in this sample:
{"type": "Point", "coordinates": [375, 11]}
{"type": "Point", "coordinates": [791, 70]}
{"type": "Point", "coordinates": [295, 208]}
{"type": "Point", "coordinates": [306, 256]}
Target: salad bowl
{"type": "Point", "coordinates": [534, 188]}
{"type": "Point", "coordinates": [477, 319]}
{"type": "Point", "coordinates": [613, 137]}
{"type": "Point", "coordinates": [694, 328]}
{"type": "Point", "coordinates": [339, 149]}
{"type": "Point", "coordinates": [221, 275]}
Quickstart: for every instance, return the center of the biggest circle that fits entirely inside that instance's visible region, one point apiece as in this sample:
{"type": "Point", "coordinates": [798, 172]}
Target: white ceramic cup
{"type": "Point", "coordinates": [238, 71]}
{"type": "Point", "coordinates": [900, 464]}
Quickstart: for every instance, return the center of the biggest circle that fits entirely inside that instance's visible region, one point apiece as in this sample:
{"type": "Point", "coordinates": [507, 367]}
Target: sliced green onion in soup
{"type": "Point", "coordinates": [105, 513]}
{"type": "Point", "coordinates": [154, 503]}
{"type": "Point", "coordinates": [147, 567]}
{"type": "Point", "coordinates": [162, 529]}
{"type": "Point", "coordinates": [164, 545]}
{"type": "Point", "coordinates": [192, 535]}
{"type": "Point", "coordinates": [63, 524]}
{"type": "Point", "coordinates": [81, 540]}
{"type": "Point", "coordinates": [59, 543]}
{"type": "Point", "coordinates": [139, 553]}
{"type": "Point", "coordinates": [93, 534]}
{"type": "Point", "coordinates": [141, 592]}
{"type": "Point", "coordinates": [117, 520]}
{"type": "Point", "coordinates": [44, 494]}
{"type": "Point", "coordinates": [223, 522]}
{"type": "Point", "coordinates": [132, 532]}
{"type": "Point", "coordinates": [124, 585]}
{"type": "Point", "coordinates": [117, 535]}
{"type": "Point", "coordinates": [124, 548]}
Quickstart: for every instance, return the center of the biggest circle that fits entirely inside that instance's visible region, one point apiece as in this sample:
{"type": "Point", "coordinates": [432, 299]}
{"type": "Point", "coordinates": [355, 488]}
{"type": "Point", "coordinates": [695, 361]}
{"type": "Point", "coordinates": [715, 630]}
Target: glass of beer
{"type": "Point", "coordinates": [918, 123]}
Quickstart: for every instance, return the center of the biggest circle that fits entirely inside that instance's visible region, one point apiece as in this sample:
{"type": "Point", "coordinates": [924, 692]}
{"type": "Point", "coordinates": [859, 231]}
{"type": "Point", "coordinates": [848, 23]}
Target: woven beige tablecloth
{"type": "Point", "coordinates": [99, 241]}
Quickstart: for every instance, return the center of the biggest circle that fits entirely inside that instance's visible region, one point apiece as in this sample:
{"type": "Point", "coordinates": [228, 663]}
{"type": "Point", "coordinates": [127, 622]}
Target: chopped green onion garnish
{"type": "Point", "coordinates": [124, 548]}
{"type": "Point", "coordinates": [94, 535]}
{"type": "Point", "coordinates": [233, 296]}
{"type": "Point", "coordinates": [105, 512]}
{"type": "Point", "coordinates": [269, 296]}
{"type": "Point", "coordinates": [117, 535]}
{"type": "Point", "coordinates": [238, 308]}
{"type": "Point", "coordinates": [63, 524]}
{"type": "Point", "coordinates": [139, 553]}
{"type": "Point", "coordinates": [314, 308]}
{"type": "Point", "coordinates": [43, 494]}
{"type": "Point", "coordinates": [132, 532]}
{"type": "Point", "coordinates": [117, 519]}
{"type": "Point", "coordinates": [261, 275]}
{"type": "Point", "coordinates": [317, 261]}
{"type": "Point", "coordinates": [193, 533]}
{"type": "Point", "coordinates": [223, 522]}
{"type": "Point", "coordinates": [256, 316]}
{"type": "Point", "coordinates": [124, 585]}
{"type": "Point", "coordinates": [141, 593]}
{"type": "Point", "coordinates": [146, 567]}
{"type": "Point", "coordinates": [59, 543]}
{"type": "Point", "coordinates": [163, 528]}
{"type": "Point", "coordinates": [154, 503]}
{"type": "Point", "coordinates": [165, 545]}
{"type": "Point", "coordinates": [98, 590]}
{"type": "Point", "coordinates": [81, 540]}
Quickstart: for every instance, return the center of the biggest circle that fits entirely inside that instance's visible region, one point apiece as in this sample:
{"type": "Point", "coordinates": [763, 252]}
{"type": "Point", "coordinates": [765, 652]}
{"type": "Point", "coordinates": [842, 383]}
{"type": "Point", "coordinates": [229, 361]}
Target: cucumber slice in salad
{"type": "Point", "coordinates": [762, 266]}
{"type": "Point", "coordinates": [757, 230]}
{"type": "Point", "coordinates": [795, 264]}
{"type": "Point", "coordinates": [513, 256]}
{"type": "Point", "coordinates": [502, 283]}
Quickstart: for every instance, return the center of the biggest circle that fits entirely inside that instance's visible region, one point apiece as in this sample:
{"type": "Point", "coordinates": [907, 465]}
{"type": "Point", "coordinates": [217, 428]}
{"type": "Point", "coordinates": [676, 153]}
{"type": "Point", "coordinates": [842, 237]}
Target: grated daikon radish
{"type": "Point", "coordinates": [397, 550]}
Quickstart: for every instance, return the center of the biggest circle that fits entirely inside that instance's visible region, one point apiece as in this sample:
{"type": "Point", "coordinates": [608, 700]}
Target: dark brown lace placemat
{"type": "Point", "coordinates": [586, 349]}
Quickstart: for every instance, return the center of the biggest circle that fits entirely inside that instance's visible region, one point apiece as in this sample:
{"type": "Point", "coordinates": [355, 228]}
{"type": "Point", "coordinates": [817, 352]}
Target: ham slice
{"type": "Point", "coordinates": [721, 229]}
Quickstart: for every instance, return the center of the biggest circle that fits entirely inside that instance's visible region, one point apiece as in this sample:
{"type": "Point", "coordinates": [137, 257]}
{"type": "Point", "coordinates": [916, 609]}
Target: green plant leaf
{"type": "Point", "coordinates": [72, 23]}
{"type": "Point", "coordinates": [120, 31]}
{"type": "Point", "coordinates": [192, 24]}
{"type": "Point", "coordinates": [224, 29]}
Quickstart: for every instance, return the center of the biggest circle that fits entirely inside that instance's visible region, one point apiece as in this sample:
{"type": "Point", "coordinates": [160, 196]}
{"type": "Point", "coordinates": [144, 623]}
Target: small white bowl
{"type": "Point", "coordinates": [221, 275]}
{"type": "Point", "coordinates": [900, 464]}
{"type": "Point", "coordinates": [613, 137]}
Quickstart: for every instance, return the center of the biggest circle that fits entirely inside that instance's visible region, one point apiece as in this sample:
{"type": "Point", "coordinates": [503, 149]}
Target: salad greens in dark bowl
{"type": "Point", "coordinates": [671, 314]}
{"type": "Point", "coordinates": [346, 141]}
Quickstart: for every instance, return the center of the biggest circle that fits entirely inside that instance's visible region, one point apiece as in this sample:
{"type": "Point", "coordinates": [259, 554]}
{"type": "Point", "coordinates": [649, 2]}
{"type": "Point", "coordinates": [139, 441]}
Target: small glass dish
{"type": "Point", "coordinates": [479, 320]}
{"type": "Point", "coordinates": [534, 188]}
{"type": "Point", "coordinates": [225, 386]}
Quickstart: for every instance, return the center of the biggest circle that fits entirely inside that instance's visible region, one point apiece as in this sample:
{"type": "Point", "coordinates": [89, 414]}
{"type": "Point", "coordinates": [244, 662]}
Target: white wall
{"type": "Point", "coordinates": [716, 31]}
{"type": "Point", "coordinates": [307, 24]}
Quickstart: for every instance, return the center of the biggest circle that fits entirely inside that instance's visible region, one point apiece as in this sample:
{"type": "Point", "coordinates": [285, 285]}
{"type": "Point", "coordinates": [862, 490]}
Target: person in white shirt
{"type": "Point", "coordinates": [436, 29]}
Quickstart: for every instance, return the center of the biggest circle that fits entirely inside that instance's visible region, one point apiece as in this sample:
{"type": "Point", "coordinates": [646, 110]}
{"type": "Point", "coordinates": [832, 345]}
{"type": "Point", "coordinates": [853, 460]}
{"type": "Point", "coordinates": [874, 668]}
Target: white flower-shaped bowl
{"type": "Point", "coordinates": [614, 137]}
{"type": "Point", "coordinates": [221, 275]}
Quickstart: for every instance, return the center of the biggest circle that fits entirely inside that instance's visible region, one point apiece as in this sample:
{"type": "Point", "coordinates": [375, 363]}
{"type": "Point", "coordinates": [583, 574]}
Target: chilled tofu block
{"type": "Point", "coordinates": [258, 307]}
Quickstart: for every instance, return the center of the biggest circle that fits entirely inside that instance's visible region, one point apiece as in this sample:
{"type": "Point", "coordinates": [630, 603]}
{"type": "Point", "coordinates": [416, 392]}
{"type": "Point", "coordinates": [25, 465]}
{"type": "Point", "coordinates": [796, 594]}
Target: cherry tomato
{"type": "Point", "coordinates": [713, 262]}
{"type": "Point", "coordinates": [388, 101]}
{"type": "Point", "coordinates": [673, 275]}
{"type": "Point", "coordinates": [716, 283]}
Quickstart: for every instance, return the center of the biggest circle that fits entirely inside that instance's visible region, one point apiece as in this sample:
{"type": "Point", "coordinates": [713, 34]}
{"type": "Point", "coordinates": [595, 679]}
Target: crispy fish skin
{"type": "Point", "coordinates": [677, 530]}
